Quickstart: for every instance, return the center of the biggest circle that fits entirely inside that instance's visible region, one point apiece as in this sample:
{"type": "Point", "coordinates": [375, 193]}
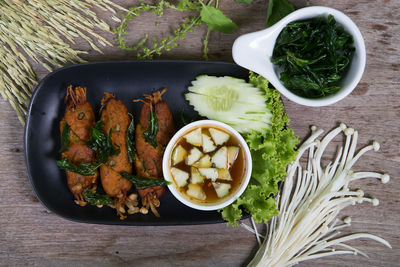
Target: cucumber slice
{"type": "Point", "coordinates": [210, 173]}
{"type": "Point", "coordinates": [218, 136]}
{"type": "Point", "coordinates": [233, 152]}
{"type": "Point", "coordinates": [196, 177]}
{"type": "Point", "coordinates": [194, 137]}
{"type": "Point", "coordinates": [196, 191]}
{"type": "Point", "coordinates": [222, 189]}
{"type": "Point", "coordinates": [204, 162]}
{"type": "Point", "coordinates": [178, 155]}
{"type": "Point", "coordinates": [230, 100]}
{"type": "Point", "coordinates": [220, 158]}
{"type": "Point", "coordinates": [224, 174]}
{"type": "Point", "coordinates": [180, 177]}
{"type": "Point", "coordinates": [194, 155]}
{"type": "Point", "coordinates": [208, 145]}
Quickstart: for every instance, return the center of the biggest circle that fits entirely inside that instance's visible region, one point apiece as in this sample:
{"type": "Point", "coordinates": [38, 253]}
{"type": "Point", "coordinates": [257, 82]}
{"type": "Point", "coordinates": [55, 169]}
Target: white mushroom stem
{"type": "Point", "coordinates": [312, 198]}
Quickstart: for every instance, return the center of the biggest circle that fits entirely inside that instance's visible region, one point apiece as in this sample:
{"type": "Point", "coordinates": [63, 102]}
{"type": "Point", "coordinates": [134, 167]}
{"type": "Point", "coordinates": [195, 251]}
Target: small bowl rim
{"type": "Point", "coordinates": [301, 14]}
{"type": "Point", "coordinates": [166, 165]}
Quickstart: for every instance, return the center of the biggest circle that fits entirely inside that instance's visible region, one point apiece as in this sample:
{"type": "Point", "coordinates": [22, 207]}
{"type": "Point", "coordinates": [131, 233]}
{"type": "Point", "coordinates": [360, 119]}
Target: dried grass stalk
{"type": "Point", "coordinates": [43, 31]}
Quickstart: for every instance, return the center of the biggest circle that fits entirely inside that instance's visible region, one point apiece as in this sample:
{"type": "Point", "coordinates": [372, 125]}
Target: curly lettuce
{"type": "Point", "coordinates": [271, 152]}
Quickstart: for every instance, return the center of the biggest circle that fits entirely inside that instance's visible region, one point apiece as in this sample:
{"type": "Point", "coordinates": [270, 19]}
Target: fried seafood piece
{"type": "Point", "coordinates": [148, 160]}
{"type": "Point", "coordinates": [115, 117]}
{"type": "Point", "coordinates": [79, 117]}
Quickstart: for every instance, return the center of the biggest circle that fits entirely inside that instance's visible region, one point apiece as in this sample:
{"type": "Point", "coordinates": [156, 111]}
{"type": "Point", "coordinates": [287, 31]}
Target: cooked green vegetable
{"type": "Point", "coordinates": [230, 100]}
{"type": "Point", "coordinates": [142, 183]}
{"type": "Point", "coordinates": [314, 55]}
{"type": "Point", "coordinates": [65, 137]}
{"type": "Point", "coordinates": [97, 199]}
{"type": "Point", "coordinates": [152, 129]}
{"type": "Point", "coordinates": [130, 141]}
{"type": "Point", "coordinates": [84, 168]}
{"type": "Point", "coordinates": [101, 144]}
{"type": "Point", "coordinates": [271, 152]}
{"type": "Point", "coordinates": [278, 9]}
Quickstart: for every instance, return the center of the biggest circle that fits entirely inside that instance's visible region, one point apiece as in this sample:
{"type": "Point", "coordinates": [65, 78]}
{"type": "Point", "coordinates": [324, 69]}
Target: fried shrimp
{"type": "Point", "coordinates": [79, 117]}
{"type": "Point", "coordinates": [148, 161]}
{"type": "Point", "coordinates": [115, 117]}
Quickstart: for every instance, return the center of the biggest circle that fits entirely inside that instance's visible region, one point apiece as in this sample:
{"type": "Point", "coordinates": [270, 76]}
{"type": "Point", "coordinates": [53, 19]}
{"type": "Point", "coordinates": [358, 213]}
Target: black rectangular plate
{"type": "Point", "coordinates": [128, 80]}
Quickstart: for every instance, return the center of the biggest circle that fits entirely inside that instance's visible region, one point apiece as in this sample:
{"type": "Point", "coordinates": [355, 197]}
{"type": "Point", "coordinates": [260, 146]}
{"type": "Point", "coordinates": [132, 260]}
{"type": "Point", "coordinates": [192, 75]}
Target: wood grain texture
{"type": "Point", "coordinates": [30, 235]}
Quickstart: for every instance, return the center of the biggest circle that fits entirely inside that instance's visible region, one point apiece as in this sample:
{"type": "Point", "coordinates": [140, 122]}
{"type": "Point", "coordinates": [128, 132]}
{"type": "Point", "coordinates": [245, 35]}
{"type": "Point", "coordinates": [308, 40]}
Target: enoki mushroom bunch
{"type": "Point", "coordinates": [312, 197]}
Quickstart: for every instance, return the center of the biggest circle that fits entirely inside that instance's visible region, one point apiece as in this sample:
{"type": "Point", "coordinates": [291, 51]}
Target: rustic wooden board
{"type": "Point", "coordinates": [29, 234]}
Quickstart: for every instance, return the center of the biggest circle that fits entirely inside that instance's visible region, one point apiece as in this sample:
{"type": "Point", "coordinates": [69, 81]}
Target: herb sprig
{"type": "Point", "coordinates": [208, 13]}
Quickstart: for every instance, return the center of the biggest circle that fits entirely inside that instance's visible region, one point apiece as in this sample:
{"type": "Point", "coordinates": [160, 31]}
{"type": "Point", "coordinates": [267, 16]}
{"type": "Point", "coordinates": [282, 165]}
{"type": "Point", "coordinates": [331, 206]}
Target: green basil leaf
{"type": "Point", "coordinates": [101, 143]}
{"type": "Point", "coordinates": [65, 137]}
{"type": "Point", "coordinates": [248, 2]}
{"type": "Point", "coordinates": [277, 10]}
{"type": "Point", "coordinates": [84, 168]}
{"type": "Point", "coordinates": [152, 129]}
{"type": "Point", "coordinates": [216, 20]}
{"type": "Point", "coordinates": [142, 183]}
{"type": "Point", "coordinates": [130, 140]}
{"type": "Point", "coordinates": [96, 199]}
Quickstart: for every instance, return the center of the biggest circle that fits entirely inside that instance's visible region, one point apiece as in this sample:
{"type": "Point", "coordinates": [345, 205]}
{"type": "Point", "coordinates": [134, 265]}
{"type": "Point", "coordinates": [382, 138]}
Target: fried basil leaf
{"type": "Point", "coordinates": [142, 183]}
{"type": "Point", "coordinates": [65, 137]}
{"type": "Point", "coordinates": [84, 168]}
{"type": "Point", "coordinates": [97, 199]}
{"type": "Point", "coordinates": [101, 143]}
{"type": "Point", "coordinates": [130, 141]}
{"type": "Point", "coordinates": [152, 129]}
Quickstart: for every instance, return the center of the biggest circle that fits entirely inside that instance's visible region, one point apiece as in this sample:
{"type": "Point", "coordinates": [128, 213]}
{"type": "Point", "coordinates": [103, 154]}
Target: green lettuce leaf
{"type": "Point", "coordinates": [271, 152]}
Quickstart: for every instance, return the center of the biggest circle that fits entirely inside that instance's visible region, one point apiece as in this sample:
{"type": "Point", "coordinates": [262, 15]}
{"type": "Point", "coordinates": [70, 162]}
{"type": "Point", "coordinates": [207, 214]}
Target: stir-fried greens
{"type": "Point", "coordinates": [314, 55]}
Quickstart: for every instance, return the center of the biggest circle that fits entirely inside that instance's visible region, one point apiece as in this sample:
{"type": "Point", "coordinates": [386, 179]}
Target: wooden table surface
{"type": "Point", "coordinates": [31, 235]}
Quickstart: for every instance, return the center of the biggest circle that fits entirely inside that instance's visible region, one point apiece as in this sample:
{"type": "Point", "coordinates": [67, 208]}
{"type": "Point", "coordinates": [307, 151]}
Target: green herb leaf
{"type": "Point", "coordinates": [152, 129]}
{"type": "Point", "coordinates": [187, 5]}
{"type": "Point", "coordinates": [142, 183]}
{"type": "Point", "coordinates": [248, 2]}
{"type": "Point", "coordinates": [96, 199]}
{"type": "Point", "coordinates": [313, 55]}
{"type": "Point", "coordinates": [101, 144]}
{"type": "Point", "coordinates": [84, 168]}
{"type": "Point", "coordinates": [130, 140]}
{"type": "Point", "coordinates": [216, 20]}
{"type": "Point", "coordinates": [65, 137]}
{"type": "Point", "coordinates": [277, 10]}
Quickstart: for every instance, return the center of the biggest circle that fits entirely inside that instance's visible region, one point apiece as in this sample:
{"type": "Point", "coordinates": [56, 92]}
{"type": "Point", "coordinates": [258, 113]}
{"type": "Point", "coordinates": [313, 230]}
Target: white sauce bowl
{"type": "Point", "coordinates": [254, 50]}
{"type": "Point", "coordinates": [166, 165]}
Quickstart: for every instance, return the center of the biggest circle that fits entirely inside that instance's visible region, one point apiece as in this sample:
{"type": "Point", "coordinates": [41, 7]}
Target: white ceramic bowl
{"type": "Point", "coordinates": [167, 165]}
{"type": "Point", "coordinates": [254, 50]}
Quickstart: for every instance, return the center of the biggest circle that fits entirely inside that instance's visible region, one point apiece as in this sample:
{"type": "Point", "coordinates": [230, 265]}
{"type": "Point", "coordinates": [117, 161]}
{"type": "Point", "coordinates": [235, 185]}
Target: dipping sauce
{"type": "Point", "coordinates": [207, 164]}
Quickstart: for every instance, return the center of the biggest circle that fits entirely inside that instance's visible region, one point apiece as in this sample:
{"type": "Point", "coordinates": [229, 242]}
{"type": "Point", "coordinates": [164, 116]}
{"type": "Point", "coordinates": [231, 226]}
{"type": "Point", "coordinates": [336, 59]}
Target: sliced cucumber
{"type": "Point", "coordinates": [196, 191]}
{"type": "Point", "coordinates": [224, 174]}
{"type": "Point", "coordinates": [194, 155]}
{"type": "Point", "coordinates": [204, 162]}
{"type": "Point", "coordinates": [208, 144]}
{"type": "Point", "coordinates": [230, 100]}
{"type": "Point", "coordinates": [218, 136]}
{"type": "Point", "coordinates": [220, 158]}
{"type": "Point", "coordinates": [178, 155]}
{"type": "Point", "coordinates": [194, 137]}
{"type": "Point", "coordinates": [180, 177]}
{"type": "Point", "coordinates": [222, 189]}
{"type": "Point", "coordinates": [233, 152]}
{"type": "Point", "coordinates": [210, 173]}
{"type": "Point", "coordinates": [196, 177]}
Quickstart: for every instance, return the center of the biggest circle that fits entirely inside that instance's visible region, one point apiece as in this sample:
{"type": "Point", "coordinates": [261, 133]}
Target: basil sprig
{"type": "Point", "coordinates": [142, 183]}
{"type": "Point", "coordinates": [152, 129]}
{"type": "Point", "coordinates": [84, 168]}
{"type": "Point", "coordinates": [130, 141]}
{"type": "Point", "coordinates": [101, 143]}
{"type": "Point", "coordinates": [97, 199]}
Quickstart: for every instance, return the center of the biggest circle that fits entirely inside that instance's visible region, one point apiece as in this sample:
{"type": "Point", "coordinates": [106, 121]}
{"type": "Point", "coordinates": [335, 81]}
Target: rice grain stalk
{"type": "Point", "coordinates": [43, 31]}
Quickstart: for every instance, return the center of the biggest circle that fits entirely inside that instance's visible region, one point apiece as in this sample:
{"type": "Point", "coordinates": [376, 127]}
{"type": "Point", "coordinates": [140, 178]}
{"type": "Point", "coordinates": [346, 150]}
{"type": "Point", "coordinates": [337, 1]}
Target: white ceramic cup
{"type": "Point", "coordinates": [166, 165]}
{"type": "Point", "coordinates": [254, 50]}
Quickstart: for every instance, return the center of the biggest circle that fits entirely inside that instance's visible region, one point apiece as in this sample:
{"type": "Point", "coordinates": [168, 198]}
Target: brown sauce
{"type": "Point", "coordinates": [237, 171]}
